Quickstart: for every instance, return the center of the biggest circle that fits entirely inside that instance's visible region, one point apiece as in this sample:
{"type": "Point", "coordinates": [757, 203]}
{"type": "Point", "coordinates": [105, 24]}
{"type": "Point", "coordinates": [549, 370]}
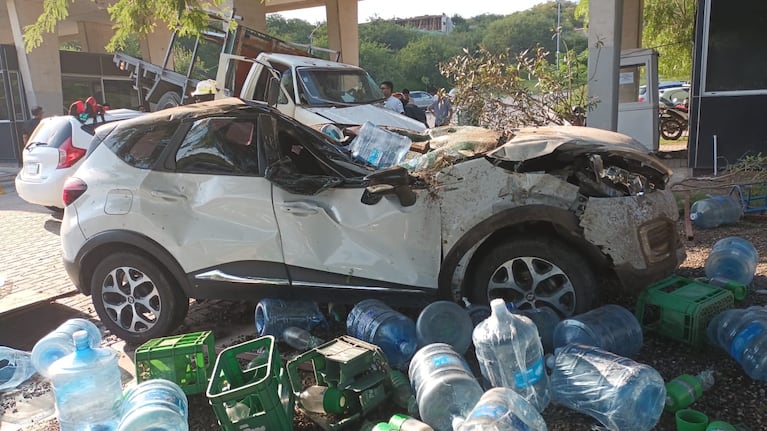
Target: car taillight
{"type": "Point", "coordinates": [69, 154]}
{"type": "Point", "coordinates": [73, 189]}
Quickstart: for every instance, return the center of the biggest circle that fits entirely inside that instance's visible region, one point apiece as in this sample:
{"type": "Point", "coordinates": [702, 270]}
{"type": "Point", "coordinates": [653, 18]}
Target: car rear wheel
{"type": "Point", "coordinates": [170, 99]}
{"type": "Point", "coordinates": [135, 299]}
{"type": "Point", "coordinates": [533, 273]}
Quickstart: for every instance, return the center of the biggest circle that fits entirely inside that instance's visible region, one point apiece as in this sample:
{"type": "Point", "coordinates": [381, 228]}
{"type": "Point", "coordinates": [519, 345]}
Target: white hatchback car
{"type": "Point", "coordinates": [233, 200]}
{"type": "Point", "coordinates": [54, 152]}
{"type": "Point", "coordinates": [421, 99]}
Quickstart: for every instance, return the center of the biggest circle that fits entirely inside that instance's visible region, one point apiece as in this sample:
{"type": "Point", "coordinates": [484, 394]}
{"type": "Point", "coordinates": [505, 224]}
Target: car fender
{"type": "Point", "coordinates": [106, 241]}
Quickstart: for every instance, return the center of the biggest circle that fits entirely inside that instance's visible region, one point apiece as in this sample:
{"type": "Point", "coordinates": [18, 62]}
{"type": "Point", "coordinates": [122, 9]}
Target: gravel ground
{"type": "Point", "coordinates": [735, 398]}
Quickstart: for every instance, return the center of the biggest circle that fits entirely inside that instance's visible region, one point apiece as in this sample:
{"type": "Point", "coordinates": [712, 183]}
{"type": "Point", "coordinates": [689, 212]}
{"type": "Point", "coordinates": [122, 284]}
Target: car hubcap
{"type": "Point", "coordinates": [531, 282]}
{"type": "Point", "coordinates": [131, 299]}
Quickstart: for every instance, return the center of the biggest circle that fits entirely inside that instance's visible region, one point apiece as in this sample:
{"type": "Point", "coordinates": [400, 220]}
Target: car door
{"type": "Point", "coordinates": [218, 205]}
{"type": "Point", "coordinates": [331, 239]}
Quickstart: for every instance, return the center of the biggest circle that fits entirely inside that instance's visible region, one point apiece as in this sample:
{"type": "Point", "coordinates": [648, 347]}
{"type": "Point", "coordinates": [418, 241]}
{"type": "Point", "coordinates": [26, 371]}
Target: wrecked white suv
{"type": "Point", "coordinates": [233, 200]}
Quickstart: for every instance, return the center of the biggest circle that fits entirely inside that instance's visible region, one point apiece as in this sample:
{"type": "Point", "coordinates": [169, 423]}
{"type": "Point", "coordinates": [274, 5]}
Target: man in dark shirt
{"type": "Point", "coordinates": [411, 110]}
{"type": "Point", "coordinates": [31, 124]}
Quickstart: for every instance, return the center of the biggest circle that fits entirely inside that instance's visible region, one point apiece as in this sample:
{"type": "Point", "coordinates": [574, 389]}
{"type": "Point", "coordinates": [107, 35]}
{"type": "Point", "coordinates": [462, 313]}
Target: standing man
{"type": "Point", "coordinates": [413, 111]}
{"type": "Point", "coordinates": [391, 102]}
{"type": "Point", "coordinates": [442, 109]}
{"type": "Point", "coordinates": [31, 124]}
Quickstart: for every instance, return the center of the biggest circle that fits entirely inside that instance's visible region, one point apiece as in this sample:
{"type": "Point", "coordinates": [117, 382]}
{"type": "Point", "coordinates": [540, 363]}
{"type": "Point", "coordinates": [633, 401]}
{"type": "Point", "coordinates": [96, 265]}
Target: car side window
{"type": "Point", "coordinates": [219, 146]}
{"type": "Point", "coordinates": [141, 146]}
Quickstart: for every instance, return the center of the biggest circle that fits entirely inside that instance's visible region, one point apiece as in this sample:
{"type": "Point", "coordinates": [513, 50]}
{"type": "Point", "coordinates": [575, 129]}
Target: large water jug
{"type": "Point", "coordinates": [732, 258]}
{"type": "Point", "coordinates": [378, 147]}
{"type": "Point", "coordinates": [273, 316]}
{"type": "Point", "coordinates": [545, 319]}
{"type": "Point", "coordinates": [58, 343]}
{"type": "Point", "coordinates": [501, 409]}
{"type": "Point", "coordinates": [510, 354]}
{"type": "Point", "coordinates": [15, 368]}
{"type": "Point", "coordinates": [715, 211]}
{"type": "Point", "coordinates": [156, 405]}
{"type": "Point", "coordinates": [444, 322]}
{"type": "Point", "coordinates": [477, 312]}
{"type": "Point", "coordinates": [87, 387]}
{"type": "Point", "coordinates": [375, 322]}
{"type": "Point", "coordinates": [743, 334]}
{"type": "Point", "coordinates": [445, 387]}
{"type": "Point", "coordinates": [618, 392]}
{"type": "Point", "coordinates": [609, 327]}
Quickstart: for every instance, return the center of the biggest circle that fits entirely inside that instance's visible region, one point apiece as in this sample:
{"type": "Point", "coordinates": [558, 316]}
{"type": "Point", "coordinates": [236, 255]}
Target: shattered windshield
{"type": "Point", "coordinates": [338, 86]}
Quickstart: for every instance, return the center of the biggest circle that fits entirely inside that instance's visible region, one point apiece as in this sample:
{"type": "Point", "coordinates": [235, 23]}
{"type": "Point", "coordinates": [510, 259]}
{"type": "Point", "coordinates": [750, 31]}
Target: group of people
{"type": "Point", "coordinates": [441, 108]}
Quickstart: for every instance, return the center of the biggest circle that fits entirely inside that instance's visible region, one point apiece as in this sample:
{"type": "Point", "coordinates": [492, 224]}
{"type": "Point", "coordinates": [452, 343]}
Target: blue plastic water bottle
{"type": "Point", "coordinates": [58, 343]}
{"type": "Point", "coordinates": [743, 334]}
{"type": "Point", "coordinates": [15, 368]}
{"type": "Point", "coordinates": [273, 316]}
{"type": "Point", "coordinates": [732, 258]}
{"type": "Point", "coordinates": [501, 409]}
{"type": "Point", "coordinates": [445, 387]}
{"type": "Point", "coordinates": [715, 211]}
{"type": "Point", "coordinates": [87, 387]}
{"type": "Point", "coordinates": [444, 322]}
{"type": "Point", "coordinates": [510, 354]}
{"type": "Point", "coordinates": [618, 392]}
{"type": "Point", "coordinates": [157, 405]}
{"type": "Point", "coordinates": [375, 322]}
{"type": "Point", "coordinates": [609, 327]}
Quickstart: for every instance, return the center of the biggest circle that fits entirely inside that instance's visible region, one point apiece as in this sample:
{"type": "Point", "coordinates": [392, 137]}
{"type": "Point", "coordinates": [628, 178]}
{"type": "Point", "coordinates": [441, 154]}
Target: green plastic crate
{"type": "Point", "coordinates": [680, 308]}
{"type": "Point", "coordinates": [186, 360]}
{"type": "Point", "coordinates": [252, 374]}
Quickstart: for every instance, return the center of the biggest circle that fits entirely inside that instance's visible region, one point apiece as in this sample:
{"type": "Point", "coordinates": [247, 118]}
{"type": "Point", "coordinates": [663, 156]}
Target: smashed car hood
{"type": "Point", "coordinates": [531, 142]}
{"type": "Point", "coordinates": [358, 114]}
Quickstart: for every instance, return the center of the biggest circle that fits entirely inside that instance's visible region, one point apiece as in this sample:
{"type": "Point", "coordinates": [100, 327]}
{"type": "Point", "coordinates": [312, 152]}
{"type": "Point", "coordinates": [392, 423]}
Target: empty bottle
{"type": "Point", "coordinates": [743, 334]}
{"type": "Point", "coordinates": [686, 388]}
{"type": "Point", "coordinates": [407, 423]}
{"type": "Point", "coordinates": [618, 392]}
{"type": "Point", "coordinates": [501, 409]}
{"type": "Point", "coordinates": [15, 368]}
{"type": "Point", "coordinates": [323, 399]}
{"type": "Point", "coordinates": [609, 327]}
{"type": "Point", "coordinates": [157, 405]}
{"type": "Point", "coordinates": [510, 354]}
{"type": "Point", "coordinates": [274, 315]}
{"type": "Point", "coordinates": [445, 388]}
{"type": "Point", "coordinates": [738, 290]}
{"type": "Point", "coordinates": [402, 393]}
{"type": "Point", "coordinates": [236, 411]}
{"type": "Point", "coordinates": [444, 322]}
{"type": "Point", "coordinates": [300, 339]}
{"type": "Point", "coordinates": [715, 211]}
{"type": "Point", "coordinates": [375, 322]}
{"type": "Point", "coordinates": [87, 387]}
{"type": "Point", "coordinates": [58, 343]}
{"type": "Point", "coordinates": [720, 426]}
{"type": "Point", "coordinates": [546, 320]}
{"type": "Point", "coordinates": [732, 258]}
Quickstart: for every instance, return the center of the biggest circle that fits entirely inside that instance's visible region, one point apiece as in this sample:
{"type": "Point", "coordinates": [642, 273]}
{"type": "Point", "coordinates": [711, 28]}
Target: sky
{"type": "Point", "coordinates": [388, 9]}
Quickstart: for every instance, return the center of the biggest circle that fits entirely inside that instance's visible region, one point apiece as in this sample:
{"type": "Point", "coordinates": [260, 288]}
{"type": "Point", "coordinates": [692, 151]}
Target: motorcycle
{"type": "Point", "coordinates": [674, 119]}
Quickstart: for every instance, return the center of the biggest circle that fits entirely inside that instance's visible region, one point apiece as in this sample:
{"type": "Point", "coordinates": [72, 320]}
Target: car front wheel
{"type": "Point", "coordinates": [533, 273]}
{"type": "Point", "coordinates": [135, 299]}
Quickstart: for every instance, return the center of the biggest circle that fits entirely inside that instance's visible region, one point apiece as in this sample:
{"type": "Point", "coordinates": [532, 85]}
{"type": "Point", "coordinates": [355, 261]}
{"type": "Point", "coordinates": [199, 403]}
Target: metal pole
{"type": "Point", "coordinates": [715, 155]}
{"type": "Point", "coordinates": [559, 29]}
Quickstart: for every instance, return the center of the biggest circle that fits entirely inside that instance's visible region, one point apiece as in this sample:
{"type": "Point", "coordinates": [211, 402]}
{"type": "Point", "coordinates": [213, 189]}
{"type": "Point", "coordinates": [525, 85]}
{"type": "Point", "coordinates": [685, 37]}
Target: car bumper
{"type": "Point", "coordinates": [46, 192]}
{"type": "Point", "coordinates": [72, 240]}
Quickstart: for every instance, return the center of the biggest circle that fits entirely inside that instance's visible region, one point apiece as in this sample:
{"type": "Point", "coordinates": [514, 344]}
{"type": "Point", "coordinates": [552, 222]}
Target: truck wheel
{"type": "Point", "coordinates": [168, 100]}
{"type": "Point", "coordinates": [535, 272]}
{"type": "Point", "coordinates": [135, 299]}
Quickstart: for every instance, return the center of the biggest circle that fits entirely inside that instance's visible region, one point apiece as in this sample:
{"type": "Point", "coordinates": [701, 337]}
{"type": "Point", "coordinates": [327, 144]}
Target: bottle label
{"type": "Point", "coordinates": [500, 414]}
{"type": "Point", "coordinates": [530, 376]}
{"type": "Point", "coordinates": [743, 338]}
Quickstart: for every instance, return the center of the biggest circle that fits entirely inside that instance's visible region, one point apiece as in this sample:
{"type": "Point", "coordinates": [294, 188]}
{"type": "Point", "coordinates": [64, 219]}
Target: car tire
{"type": "Point", "coordinates": [135, 299]}
{"type": "Point", "coordinates": [548, 272]}
{"type": "Point", "coordinates": [170, 99]}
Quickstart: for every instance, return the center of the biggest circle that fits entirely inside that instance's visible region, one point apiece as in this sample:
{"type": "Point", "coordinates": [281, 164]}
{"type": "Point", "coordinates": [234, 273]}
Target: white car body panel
{"type": "Point", "coordinates": [334, 232]}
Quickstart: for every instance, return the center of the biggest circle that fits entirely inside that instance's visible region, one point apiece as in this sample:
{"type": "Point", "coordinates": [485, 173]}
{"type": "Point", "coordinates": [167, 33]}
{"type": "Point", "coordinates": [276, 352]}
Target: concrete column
{"type": "Point", "coordinates": [631, 36]}
{"type": "Point", "coordinates": [605, 20]}
{"type": "Point", "coordinates": [154, 46]}
{"type": "Point", "coordinates": [253, 13]}
{"type": "Point", "coordinates": [94, 37]}
{"type": "Point", "coordinates": [40, 69]}
{"type": "Point", "coordinates": [343, 30]}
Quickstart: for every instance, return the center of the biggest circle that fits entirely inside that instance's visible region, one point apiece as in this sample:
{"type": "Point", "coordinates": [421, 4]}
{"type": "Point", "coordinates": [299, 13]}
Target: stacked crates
{"type": "Point", "coordinates": [249, 388]}
{"type": "Point", "coordinates": [680, 308]}
{"type": "Point", "coordinates": [186, 360]}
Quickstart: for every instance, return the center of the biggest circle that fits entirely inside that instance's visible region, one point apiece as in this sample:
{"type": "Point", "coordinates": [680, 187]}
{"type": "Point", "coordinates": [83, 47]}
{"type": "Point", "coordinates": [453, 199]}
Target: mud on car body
{"type": "Point", "coordinates": [233, 200]}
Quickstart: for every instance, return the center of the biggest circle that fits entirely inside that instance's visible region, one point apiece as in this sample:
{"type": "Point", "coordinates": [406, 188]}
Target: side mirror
{"type": "Point", "coordinates": [394, 180]}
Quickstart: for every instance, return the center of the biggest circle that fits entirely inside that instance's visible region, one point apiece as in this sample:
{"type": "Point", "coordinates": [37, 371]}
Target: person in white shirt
{"type": "Point", "coordinates": [391, 102]}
